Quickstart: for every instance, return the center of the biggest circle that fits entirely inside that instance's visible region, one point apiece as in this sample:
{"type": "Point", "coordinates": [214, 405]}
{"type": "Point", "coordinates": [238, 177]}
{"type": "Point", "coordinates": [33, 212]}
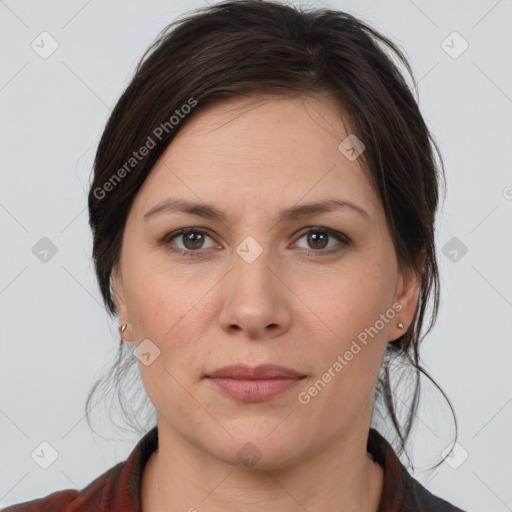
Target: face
{"type": "Point", "coordinates": [319, 292]}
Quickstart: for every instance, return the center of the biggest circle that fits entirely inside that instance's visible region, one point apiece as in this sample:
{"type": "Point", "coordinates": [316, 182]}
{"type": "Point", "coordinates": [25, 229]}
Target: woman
{"type": "Point", "coordinates": [263, 209]}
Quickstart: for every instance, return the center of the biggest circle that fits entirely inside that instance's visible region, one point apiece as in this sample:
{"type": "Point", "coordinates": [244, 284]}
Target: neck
{"type": "Point", "coordinates": [180, 476]}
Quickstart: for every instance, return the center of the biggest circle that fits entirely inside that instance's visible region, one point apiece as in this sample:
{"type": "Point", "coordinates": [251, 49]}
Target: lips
{"type": "Point", "coordinates": [261, 372]}
{"type": "Point", "coordinates": [254, 384]}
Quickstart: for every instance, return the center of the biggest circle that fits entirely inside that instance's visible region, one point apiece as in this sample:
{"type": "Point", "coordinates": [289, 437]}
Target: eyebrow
{"type": "Point", "coordinates": [172, 205]}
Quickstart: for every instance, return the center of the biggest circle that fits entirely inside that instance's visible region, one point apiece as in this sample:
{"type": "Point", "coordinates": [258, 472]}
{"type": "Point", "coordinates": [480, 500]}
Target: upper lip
{"type": "Point", "coordinates": [264, 371]}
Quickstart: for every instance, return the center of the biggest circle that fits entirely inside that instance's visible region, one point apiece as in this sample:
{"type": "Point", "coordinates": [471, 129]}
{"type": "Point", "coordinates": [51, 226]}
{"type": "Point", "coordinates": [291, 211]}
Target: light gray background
{"type": "Point", "coordinates": [55, 335]}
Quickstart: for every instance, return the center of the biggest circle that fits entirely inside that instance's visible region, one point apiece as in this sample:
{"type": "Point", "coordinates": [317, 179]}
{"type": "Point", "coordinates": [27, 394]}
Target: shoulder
{"type": "Point", "coordinates": [419, 499]}
{"type": "Point", "coordinates": [92, 498]}
{"type": "Point", "coordinates": [401, 492]}
{"type": "Point", "coordinates": [55, 501]}
{"type": "Point", "coordinates": [116, 489]}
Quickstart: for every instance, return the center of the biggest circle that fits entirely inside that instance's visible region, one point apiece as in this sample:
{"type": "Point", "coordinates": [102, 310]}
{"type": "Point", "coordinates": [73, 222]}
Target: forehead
{"type": "Point", "coordinates": [264, 148]}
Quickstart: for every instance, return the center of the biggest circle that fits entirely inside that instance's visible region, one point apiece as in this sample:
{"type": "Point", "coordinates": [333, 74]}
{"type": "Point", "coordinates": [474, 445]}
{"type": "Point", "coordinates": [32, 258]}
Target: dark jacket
{"type": "Point", "coordinates": [118, 489]}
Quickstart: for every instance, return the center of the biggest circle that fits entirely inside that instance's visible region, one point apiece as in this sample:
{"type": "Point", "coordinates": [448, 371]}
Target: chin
{"type": "Point", "coordinates": [258, 451]}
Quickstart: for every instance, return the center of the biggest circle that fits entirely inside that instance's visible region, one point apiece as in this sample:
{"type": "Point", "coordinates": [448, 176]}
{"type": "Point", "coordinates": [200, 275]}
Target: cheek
{"type": "Point", "coordinates": [155, 297]}
{"type": "Point", "coordinates": [351, 300]}
{"type": "Point", "coordinates": [148, 305]}
{"type": "Point", "coordinates": [350, 355]}
{"type": "Point", "coordinates": [354, 334]}
{"type": "Point", "coordinates": [172, 309]}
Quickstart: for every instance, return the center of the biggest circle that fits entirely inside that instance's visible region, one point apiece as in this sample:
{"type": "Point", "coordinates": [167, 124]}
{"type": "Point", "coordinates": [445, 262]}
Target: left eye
{"type": "Point", "coordinates": [193, 240]}
{"type": "Point", "coordinates": [319, 237]}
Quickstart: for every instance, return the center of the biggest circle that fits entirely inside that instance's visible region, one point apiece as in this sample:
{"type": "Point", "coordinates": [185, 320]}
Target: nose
{"type": "Point", "coordinates": [256, 302]}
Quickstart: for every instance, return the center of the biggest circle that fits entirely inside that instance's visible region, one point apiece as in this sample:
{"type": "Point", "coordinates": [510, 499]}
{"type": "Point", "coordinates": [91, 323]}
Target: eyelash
{"type": "Point", "coordinates": [343, 239]}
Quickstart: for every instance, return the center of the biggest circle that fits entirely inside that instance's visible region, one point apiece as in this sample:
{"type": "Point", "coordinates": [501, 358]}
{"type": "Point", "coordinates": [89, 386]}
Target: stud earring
{"type": "Point", "coordinates": [122, 328]}
{"type": "Point", "coordinates": [400, 325]}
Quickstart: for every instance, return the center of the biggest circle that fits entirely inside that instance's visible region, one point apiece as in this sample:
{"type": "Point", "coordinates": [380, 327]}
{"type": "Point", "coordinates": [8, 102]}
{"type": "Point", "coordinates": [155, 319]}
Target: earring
{"type": "Point", "coordinates": [122, 328]}
{"type": "Point", "coordinates": [400, 325]}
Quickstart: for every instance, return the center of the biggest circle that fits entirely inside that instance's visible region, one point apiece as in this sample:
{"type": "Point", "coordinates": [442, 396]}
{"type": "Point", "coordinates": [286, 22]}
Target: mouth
{"type": "Point", "coordinates": [254, 384]}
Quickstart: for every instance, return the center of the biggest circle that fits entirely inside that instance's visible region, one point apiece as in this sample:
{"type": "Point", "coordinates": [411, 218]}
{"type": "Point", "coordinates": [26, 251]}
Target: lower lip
{"type": "Point", "coordinates": [253, 390]}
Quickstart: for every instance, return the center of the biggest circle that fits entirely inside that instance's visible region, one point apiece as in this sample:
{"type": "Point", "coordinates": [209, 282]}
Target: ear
{"type": "Point", "coordinates": [122, 310]}
{"type": "Point", "coordinates": [407, 295]}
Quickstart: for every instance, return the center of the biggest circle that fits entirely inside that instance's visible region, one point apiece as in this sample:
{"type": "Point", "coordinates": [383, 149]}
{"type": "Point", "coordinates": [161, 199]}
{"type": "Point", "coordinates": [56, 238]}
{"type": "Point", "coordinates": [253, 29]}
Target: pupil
{"type": "Point", "coordinates": [318, 238]}
{"type": "Point", "coordinates": [193, 238]}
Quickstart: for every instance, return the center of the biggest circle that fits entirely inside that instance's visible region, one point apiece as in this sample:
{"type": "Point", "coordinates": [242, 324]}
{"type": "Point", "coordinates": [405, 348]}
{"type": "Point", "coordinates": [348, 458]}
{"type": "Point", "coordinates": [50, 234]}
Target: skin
{"type": "Point", "coordinates": [252, 157]}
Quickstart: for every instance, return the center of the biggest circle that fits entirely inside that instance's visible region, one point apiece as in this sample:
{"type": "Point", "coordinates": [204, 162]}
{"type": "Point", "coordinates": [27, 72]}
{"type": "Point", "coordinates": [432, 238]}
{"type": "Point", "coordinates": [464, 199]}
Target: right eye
{"type": "Point", "coordinates": [192, 239]}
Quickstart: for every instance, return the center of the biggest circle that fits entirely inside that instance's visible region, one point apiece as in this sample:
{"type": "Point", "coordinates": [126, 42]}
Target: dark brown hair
{"type": "Point", "coordinates": [246, 47]}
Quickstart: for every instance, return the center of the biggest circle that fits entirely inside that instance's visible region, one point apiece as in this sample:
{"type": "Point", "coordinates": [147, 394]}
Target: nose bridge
{"type": "Point", "coordinates": [255, 264]}
{"type": "Point", "coordinates": [251, 261]}
{"type": "Point", "coordinates": [254, 230]}
{"type": "Point", "coordinates": [252, 300]}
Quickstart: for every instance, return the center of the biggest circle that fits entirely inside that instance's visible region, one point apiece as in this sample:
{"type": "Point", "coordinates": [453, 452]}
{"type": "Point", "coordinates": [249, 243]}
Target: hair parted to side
{"type": "Point", "coordinates": [244, 47]}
